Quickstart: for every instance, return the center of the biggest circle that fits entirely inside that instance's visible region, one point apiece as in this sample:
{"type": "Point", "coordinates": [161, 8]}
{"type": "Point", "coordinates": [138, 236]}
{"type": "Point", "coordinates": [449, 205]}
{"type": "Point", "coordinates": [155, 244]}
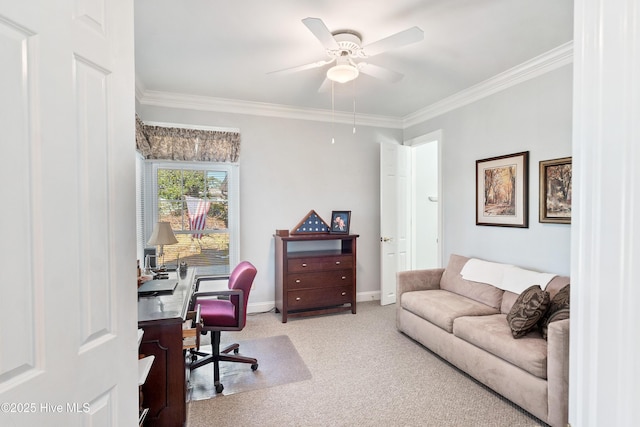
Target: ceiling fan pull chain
{"type": "Point", "coordinates": [354, 107]}
{"type": "Point", "coordinates": [333, 139]}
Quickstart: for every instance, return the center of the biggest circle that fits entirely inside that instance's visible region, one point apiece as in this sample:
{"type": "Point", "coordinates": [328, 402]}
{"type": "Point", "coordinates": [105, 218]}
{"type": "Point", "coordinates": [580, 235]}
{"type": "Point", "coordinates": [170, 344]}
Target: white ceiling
{"type": "Point", "coordinates": [225, 49]}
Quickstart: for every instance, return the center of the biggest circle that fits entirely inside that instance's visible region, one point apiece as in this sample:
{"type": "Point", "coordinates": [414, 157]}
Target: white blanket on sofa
{"type": "Point", "coordinates": [504, 276]}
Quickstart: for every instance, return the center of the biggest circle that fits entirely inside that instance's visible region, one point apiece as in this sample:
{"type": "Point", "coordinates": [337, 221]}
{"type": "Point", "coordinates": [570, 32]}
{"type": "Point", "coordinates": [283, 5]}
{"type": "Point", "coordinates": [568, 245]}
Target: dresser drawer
{"type": "Point", "coordinates": [320, 279]}
{"type": "Point", "coordinates": [315, 298]}
{"type": "Point", "coordinates": [319, 263]}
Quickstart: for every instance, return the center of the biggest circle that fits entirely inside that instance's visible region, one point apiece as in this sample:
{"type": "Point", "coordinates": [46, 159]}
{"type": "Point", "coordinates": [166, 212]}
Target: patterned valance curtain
{"type": "Point", "coordinates": [165, 143]}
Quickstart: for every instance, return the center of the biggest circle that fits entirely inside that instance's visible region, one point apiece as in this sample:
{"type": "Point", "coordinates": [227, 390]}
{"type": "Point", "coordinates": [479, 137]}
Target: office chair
{"type": "Point", "coordinates": [229, 314]}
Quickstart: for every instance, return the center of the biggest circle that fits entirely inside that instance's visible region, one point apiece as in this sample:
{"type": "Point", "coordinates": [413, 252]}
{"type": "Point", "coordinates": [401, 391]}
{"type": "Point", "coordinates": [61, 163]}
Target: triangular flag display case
{"type": "Point", "coordinates": [311, 224]}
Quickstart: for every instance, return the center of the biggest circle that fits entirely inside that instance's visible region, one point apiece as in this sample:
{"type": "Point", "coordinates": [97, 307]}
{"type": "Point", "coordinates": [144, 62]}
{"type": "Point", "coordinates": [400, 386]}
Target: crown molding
{"type": "Point", "coordinates": [548, 61]}
{"type": "Point", "coordinates": [222, 105]}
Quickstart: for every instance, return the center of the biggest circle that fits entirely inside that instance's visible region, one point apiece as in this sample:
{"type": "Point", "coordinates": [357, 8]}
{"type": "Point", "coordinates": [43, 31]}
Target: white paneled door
{"type": "Point", "coordinates": [68, 311]}
{"type": "Point", "coordinates": [395, 178]}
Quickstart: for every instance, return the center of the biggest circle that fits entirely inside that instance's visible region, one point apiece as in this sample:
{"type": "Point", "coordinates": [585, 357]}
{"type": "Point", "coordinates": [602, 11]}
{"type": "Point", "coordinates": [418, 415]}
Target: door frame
{"type": "Point", "coordinates": [435, 136]}
{"type": "Point", "coordinates": [391, 246]}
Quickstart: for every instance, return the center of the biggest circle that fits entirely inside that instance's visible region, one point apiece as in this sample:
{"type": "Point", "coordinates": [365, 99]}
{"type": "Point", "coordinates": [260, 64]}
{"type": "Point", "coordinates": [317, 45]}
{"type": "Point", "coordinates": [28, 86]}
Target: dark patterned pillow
{"type": "Point", "coordinates": [558, 310]}
{"type": "Point", "coordinates": [527, 311]}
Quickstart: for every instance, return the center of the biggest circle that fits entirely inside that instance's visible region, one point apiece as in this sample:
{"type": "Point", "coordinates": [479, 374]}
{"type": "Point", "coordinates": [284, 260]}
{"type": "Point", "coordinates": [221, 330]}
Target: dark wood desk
{"type": "Point", "coordinates": [161, 318]}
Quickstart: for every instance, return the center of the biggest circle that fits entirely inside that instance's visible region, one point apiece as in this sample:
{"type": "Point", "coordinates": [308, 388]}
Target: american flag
{"type": "Point", "coordinates": [198, 209]}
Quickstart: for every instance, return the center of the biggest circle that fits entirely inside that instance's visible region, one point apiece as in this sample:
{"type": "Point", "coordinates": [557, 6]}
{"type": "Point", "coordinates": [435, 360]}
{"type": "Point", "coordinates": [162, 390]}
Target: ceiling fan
{"type": "Point", "coordinates": [345, 49]}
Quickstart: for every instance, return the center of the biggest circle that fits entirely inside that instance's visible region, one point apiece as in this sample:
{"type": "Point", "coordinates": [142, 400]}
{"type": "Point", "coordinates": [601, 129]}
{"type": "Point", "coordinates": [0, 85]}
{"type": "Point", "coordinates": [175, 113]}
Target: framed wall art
{"type": "Point", "coordinates": [340, 222]}
{"type": "Point", "coordinates": [555, 191]}
{"type": "Point", "coordinates": [502, 191]}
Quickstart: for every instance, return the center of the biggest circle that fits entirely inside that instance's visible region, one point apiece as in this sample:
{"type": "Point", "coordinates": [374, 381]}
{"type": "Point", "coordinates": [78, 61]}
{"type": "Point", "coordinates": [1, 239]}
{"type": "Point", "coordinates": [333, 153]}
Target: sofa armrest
{"type": "Point", "coordinates": [558, 372]}
{"type": "Point", "coordinates": [417, 280]}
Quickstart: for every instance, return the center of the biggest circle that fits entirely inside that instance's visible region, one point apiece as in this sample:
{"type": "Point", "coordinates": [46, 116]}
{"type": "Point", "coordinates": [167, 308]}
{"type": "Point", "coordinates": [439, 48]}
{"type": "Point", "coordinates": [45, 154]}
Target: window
{"type": "Point", "coordinates": [200, 202]}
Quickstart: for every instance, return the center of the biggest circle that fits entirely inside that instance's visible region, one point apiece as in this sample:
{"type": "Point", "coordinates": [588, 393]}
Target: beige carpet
{"type": "Point", "coordinates": [278, 363]}
{"type": "Point", "coordinates": [363, 373]}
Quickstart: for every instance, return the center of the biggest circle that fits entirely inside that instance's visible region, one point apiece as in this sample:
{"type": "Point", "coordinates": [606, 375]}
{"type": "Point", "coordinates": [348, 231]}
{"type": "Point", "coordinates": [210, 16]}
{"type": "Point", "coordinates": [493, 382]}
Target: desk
{"type": "Point", "coordinates": [161, 318]}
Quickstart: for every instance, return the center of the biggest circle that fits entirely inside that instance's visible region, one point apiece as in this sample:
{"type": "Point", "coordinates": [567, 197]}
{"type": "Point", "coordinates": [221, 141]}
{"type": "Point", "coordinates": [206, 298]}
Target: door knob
{"type": "Point", "coordinates": [385, 239]}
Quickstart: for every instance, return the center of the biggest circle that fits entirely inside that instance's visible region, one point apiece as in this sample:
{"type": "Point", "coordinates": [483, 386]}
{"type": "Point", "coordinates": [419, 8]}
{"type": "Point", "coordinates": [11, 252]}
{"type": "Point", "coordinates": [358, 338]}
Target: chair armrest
{"type": "Point", "coordinates": [222, 292]}
{"type": "Point", "coordinates": [418, 280]}
{"type": "Point", "coordinates": [204, 278]}
{"type": "Point", "coordinates": [212, 277]}
{"type": "Point", "coordinates": [558, 372]}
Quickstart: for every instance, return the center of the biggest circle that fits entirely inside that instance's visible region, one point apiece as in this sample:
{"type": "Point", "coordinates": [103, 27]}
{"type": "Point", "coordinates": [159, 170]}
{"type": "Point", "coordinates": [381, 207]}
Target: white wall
{"type": "Point", "coordinates": [534, 116]}
{"type": "Point", "coordinates": [289, 167]}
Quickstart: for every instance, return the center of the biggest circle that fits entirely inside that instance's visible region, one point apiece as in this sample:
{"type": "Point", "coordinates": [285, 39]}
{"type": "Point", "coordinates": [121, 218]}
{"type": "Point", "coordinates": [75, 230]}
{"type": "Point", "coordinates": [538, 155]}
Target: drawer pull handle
{"type": "Point", "coordinates": [298, 281]}
{"type": "Point", "coordinates": [344, 293]}
{"type": "Point", "coordinates": [304, 264]}
{"type": "Point", "coordinates": [297, 298]}
{"type": "Point", "coordinates": [337, 262]}
{"type": "Point", "coordinates": [344, 277]}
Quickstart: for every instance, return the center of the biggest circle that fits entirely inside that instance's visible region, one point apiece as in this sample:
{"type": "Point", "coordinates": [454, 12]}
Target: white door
{"type": "Point", "coordinates": [394, 216]}
{"type": "Point", "coordinates": [68, 311]}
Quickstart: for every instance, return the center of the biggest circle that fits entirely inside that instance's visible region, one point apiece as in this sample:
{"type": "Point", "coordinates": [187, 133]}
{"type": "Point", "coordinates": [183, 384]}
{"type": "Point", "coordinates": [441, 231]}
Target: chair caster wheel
{"type": "Point", "coordinates": [219, 388]}
{"type": "Point", "coordinates": [254, 366]}
{"type": "Point", "coordinates": [236, 351]}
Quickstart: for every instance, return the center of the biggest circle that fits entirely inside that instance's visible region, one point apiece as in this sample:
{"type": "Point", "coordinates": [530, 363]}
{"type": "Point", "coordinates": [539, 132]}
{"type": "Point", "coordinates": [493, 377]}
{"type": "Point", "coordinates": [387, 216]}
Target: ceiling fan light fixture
{"type": "Point", "coordinates": [342, 73]}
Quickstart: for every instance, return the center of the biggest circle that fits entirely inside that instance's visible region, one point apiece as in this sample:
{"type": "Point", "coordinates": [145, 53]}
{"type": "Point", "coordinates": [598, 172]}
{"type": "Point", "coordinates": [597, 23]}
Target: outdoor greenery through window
{"type": "Point", "coordinates": [196, 204]}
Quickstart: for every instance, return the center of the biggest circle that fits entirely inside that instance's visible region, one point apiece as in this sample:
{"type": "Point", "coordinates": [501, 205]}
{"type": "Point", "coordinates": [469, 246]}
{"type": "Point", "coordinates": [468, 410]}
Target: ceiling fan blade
{"type": "Point", "coordinates": [317, 64]}
{"type": "Point", "coordinates": [394, 41]}
{"type": "Point", "coordinates": [322, 33]}
{"type": "Point", "coordinates": [325, 86]}
{"type": "Point", "coordinates": [380, 72]}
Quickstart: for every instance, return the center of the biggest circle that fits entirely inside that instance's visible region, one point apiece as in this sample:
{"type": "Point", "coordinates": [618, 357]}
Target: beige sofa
{"type": "Point", "coordinates": [465, 322]}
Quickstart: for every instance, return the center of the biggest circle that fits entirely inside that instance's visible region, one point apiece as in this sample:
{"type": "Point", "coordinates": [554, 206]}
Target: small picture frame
{"type": "Point", "coordinates": [555, 191]}
{"type": "Point", "coordinates": [502, 191]}
{"type": "Point", "coordinates": [340, 222]}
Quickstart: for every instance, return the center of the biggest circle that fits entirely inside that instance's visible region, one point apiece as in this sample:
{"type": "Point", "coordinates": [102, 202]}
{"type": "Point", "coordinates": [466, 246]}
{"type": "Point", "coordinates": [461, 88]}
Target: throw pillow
{"type": "Point", "coordinates": [558, 310]}
{"type": "Point", "coordinates": [527, 311]}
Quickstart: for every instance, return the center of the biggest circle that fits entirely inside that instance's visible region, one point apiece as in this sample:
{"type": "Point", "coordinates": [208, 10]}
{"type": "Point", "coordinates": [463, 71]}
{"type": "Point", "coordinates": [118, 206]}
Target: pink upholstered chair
{"type": "Point", "coordinates": [229, 314]}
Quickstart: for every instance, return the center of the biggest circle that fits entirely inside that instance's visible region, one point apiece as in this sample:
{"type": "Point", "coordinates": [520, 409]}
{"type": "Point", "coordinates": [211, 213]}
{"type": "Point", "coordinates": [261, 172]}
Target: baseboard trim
{"type": "Point", "coordinates": [368, 296]}
{"type": "Point", "coordinates": [265, 307]}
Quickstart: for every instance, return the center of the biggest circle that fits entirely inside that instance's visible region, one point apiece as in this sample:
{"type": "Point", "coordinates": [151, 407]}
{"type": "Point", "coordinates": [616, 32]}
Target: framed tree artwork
{"type": "Point", "coordinates": [555, 191]}
{"type": "Point", "coordinates": [502, 191]}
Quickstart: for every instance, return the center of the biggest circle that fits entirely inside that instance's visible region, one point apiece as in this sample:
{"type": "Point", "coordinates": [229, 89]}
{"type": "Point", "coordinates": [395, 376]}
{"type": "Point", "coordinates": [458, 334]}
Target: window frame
{"type": "Point", "coordinates": [150, 202]}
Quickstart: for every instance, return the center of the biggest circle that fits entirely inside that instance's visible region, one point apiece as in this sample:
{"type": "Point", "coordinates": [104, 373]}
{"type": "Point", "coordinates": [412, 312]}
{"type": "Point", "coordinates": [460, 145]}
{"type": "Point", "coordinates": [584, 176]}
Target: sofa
{"type": "Point", "coordinates": [474, 323]}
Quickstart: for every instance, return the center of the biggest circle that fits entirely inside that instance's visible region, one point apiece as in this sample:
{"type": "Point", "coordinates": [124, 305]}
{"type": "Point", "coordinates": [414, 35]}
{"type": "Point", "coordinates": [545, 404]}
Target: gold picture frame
{"type": "Point", "coordinates": [555, 191]}
{"type": "Point", "coordinates": [502, 191]}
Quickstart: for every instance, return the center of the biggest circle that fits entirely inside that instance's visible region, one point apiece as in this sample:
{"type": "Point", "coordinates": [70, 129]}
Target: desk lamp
{"type": "Point", "coordinates": [162, 235]}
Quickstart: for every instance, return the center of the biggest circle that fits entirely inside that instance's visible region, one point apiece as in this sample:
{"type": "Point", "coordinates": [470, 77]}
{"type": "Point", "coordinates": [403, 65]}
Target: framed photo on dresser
{"type": "Point", "coordinates": [340, 222]}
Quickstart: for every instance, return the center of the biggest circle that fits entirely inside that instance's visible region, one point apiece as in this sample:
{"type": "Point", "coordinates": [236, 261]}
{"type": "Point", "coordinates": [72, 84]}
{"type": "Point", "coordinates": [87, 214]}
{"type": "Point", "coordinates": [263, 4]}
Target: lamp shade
{"type": "Point", "coordinates": [162, 235]}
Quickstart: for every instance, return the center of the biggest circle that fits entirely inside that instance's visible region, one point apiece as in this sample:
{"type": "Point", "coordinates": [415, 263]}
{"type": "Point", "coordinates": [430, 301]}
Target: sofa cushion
{"type": "Point", "coordinates": [558, 310]}
{"type": "Point", "coordinates": [527, 310]}
{"type": "Point", "coordinates": [452, 281]}
{"type": "Point", "coordinates": [442, 307]}
{"type": "Point", "coordinates": [556, 285]}
{"type": "Point", "coordinates": [493, 334]}
{"type": "Point", "coordinates": [508, 299]}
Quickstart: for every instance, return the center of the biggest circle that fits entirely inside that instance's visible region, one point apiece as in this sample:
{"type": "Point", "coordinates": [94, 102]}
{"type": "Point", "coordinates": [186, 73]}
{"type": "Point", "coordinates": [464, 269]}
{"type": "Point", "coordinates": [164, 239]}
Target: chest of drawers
{"type": "Point", "coordinates": [311, 282]}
